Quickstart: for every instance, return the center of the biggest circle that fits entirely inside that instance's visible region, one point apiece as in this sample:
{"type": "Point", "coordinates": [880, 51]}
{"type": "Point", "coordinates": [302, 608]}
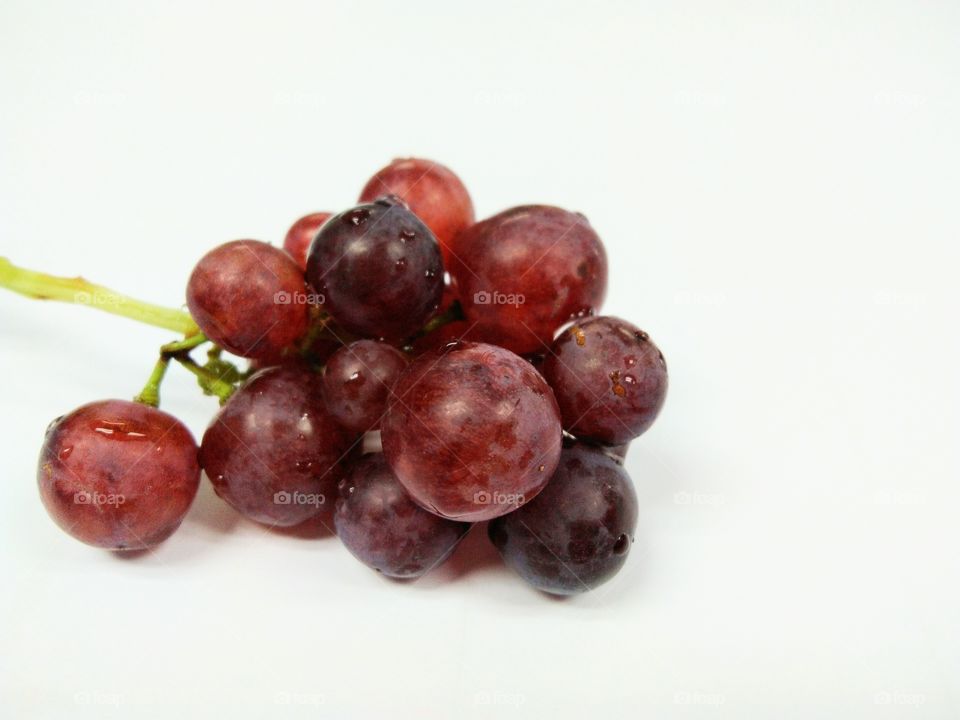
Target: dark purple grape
{"type": "Point", "coordinates": [273, 450]}
{"type": "Point", "coordinates": [250, 298]}
{"type": "Point", "coordinates": [377, 268]}
{"type": "Point", "coordinates": [357, 380]}
{"type": "Point", "coordinates": [523, 273]}
{"type": "Point", "coordinates": [118, 474]}
{"type": "Point", "coordinates": [301, 234]}
{"type": "Point", "coordinates": [609, 378]}
{"type": "Point", "coordinates": [472, 431]}
{"type": "Point", "coordinates": [431, 191]}
{"type": "Point", "coordinates": [384, 529]}
{"type": "Point", "coordinates": [575, 535]}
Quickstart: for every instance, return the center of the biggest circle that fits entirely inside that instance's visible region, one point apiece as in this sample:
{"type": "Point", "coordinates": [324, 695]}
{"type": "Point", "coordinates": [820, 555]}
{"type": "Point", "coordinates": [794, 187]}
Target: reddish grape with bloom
{"type": "Point", "coordinates": [118, 474]}
{"type": "Point", "coordinates": [384, 529]}
{"type": "Point", "coordinates": [301, 234]}
{"type": "Point", "coordinates": [472, 431]}
{"type": "Point", "coordinates": [523, 273]}
{"type": "Point", "coordinates": [576, 534]}
{"type": "Point", "coordinates": [609, 378]}
{"type": "Point", "coordinates": [273, 450]}
{"type": "Point", "coordinates": [357, 380]}
{"type": "Point", "coordinates": [431, 191]}
{"type": "Point", "coordinates": [249, 298]}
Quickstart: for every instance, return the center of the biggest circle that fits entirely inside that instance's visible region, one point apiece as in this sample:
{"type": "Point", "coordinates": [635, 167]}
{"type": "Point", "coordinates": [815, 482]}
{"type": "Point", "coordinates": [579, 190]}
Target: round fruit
{"type": "Point", "coordinates": [357, 380]}
{"type": "Point", "coordinates": [273, 450]}
{"type": "Point", "coordinates": [249, 298]}
{"type": "Point", "coordinates": [378, 270]}
{"type": "Point", "coordinates": [384, 528]}
{"type": "Point", "coordinates": [472, 431]}
{"type": "Point", "coordinates": [609, 378]}
{"type": "Point", "coordinates": [431, 191]}
{"type": "Point", "coordinates": [576, 534]}
{"type": "Point", "coordinates": [301, 234]}
{"type": "Point", "coordinates": [118, 474]}
{"type": "Point", "coordinates": [523, 273]}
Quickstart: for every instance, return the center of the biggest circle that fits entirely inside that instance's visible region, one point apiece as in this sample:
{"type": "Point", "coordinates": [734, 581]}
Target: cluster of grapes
{"type": "Point", "coordinates": [474, 349]}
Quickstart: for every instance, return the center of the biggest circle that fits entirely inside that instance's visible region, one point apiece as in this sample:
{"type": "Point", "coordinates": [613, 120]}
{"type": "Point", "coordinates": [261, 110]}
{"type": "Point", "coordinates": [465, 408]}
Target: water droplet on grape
{"type": "Point", "coordinates": [621, 545]}
{"type": "Point", "coordinates": [65, 452]}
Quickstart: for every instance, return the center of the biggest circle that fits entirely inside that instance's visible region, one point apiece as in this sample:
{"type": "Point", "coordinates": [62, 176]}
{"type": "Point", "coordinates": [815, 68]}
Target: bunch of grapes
{"type": "Point", "coordinates": [411, 372]}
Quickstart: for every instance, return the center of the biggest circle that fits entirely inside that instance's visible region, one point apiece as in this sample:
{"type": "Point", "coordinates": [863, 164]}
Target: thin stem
{"type": "Point", "coordinates": [451, 314]}
{"type": "Point", "coordinates": [208, 381]}
{"type": "Point", "coordinates": [182, 346]}
{"type": "Point", "coordinates": [150, 395]}
{"type": "Point", "coordinates": [82, 292]}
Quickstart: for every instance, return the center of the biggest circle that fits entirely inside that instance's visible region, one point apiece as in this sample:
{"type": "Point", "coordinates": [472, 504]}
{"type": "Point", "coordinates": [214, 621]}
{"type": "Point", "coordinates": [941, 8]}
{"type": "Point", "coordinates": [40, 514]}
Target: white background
{"type": "Point", "coordinates": [776, 184]}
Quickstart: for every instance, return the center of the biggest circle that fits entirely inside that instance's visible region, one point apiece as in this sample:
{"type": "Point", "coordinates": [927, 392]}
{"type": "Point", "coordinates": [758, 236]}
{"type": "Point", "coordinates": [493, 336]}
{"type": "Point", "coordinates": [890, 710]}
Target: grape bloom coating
{"type": "Point", "coordinates": [472, 431]}
{"type": "Point", "coordinates": [118, 474]}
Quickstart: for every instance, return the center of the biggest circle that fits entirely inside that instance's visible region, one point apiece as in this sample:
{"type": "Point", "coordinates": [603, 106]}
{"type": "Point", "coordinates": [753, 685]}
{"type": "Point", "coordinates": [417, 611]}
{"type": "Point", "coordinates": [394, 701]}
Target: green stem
{"type": "Point", "coordinates": [150, 395]}
{"type": "Point", "coordinates": [208, 381]}
{"type": "Point", "coordinates": [82, 292]}
{"type": "Point", "coordinates": [182, 346]}
{"type": "Point", "coordinates": [451, 314]}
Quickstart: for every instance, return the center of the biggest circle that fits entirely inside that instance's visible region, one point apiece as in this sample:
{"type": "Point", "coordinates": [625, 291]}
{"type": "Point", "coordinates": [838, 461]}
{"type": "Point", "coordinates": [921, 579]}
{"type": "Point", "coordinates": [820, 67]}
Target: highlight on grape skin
{"type": "Point", "coordinates": [473, 353]}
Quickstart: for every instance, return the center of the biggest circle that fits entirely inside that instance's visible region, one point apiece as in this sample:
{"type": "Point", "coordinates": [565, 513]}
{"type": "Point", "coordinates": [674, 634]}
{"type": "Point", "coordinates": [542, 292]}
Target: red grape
{"type": "Point", "coordinates": [576, 534]}
{"type": "Point", "coordinates": [431, 191]}
{"type": "Point", "coordinates": [609, 378]}
{"type": "Point", "coordinates": [273, 450]}
{"type": "Point", "coordinates": [118, 474]}
{"type": "Point", "coordinates": [384, 529]}
{"type": "Point", "coordinates": [249, 298]}
{"type": "Point", "coordinates": [301, 234]}
{"type": "Point", "coordinates": [357, 380]}
{"type": "Point", "coordinates": [378, 270]}
{"type": "Point", "coordinates": [523, 273]}
{"type": "Point", "coordinates": [472, 431]}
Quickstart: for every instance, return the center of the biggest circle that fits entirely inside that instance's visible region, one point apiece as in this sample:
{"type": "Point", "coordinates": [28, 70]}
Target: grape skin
{"type": "Point", "coordinates": [525, 272]}
{"type": "Point", "coordinates": [273, 450]}
{"type": "Point", "coordinates": [301, 234]}
{"type": "Point", "coordinates": [384, 529]}
{"type": "Point", "coordinates": [357, 380]}
{"type": "Point", "coordinates": [472, 431]}
{"type": "Point", "coordinates": [433, 192]}
{"type": "Point", "coordinates": [378, 270]}
{"type": "Point", "coordinates": [249, 298]}
{"type": "Point", "coordinates": [117, 474]}
{"type": "Point", "coordinates": [576, 534]}
{"type": "Point", "coordinates": [609, 379]}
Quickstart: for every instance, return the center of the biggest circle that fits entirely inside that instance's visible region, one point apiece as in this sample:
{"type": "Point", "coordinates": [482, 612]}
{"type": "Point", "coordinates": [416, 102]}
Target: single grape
{"type": "Point", "coordinates": [384, 529]}
{"type": "Point", "coordinates": [118, 474]}
{"type": "Point", "coordinates": [609, 378]}
{"type": "Point", "coordinates": [301, 234]}
{"type": "Point", "coordinates": [523, 273]}
{"type": "Point", "coordinates": [472, 431]}
{"type": "Point", "coordinates": [273, 450]}
{"type": "Point", "coordinates": [249, 298]}
{"type": "Point", "coordinates": [378, 270]}
{"type": "Point", "coordinates": [357, 380]}
{"type": "Point", "coordinates": [576, 534]}
{"type": "Point", "coordinates": [431, 191]}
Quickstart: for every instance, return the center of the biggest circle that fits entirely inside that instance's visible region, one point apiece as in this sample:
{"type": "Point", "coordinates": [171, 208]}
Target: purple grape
{"type": "Point", "coordinates": [575, 535]}
{"type": "Point", "coordinates": [118, 474]}
{"type": "Point", "coordinates": [472, 431]}
{"type": "Point", "coordinates": [273, 450]}
{"type": "Point", "coordinates": [381, 525]}
{"type": "Point", "coordinates": [356, 381]}
{"type": "Point", "coordinates": [378, 270]}
{"type": "Point", "coordinates": [609, 378]}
